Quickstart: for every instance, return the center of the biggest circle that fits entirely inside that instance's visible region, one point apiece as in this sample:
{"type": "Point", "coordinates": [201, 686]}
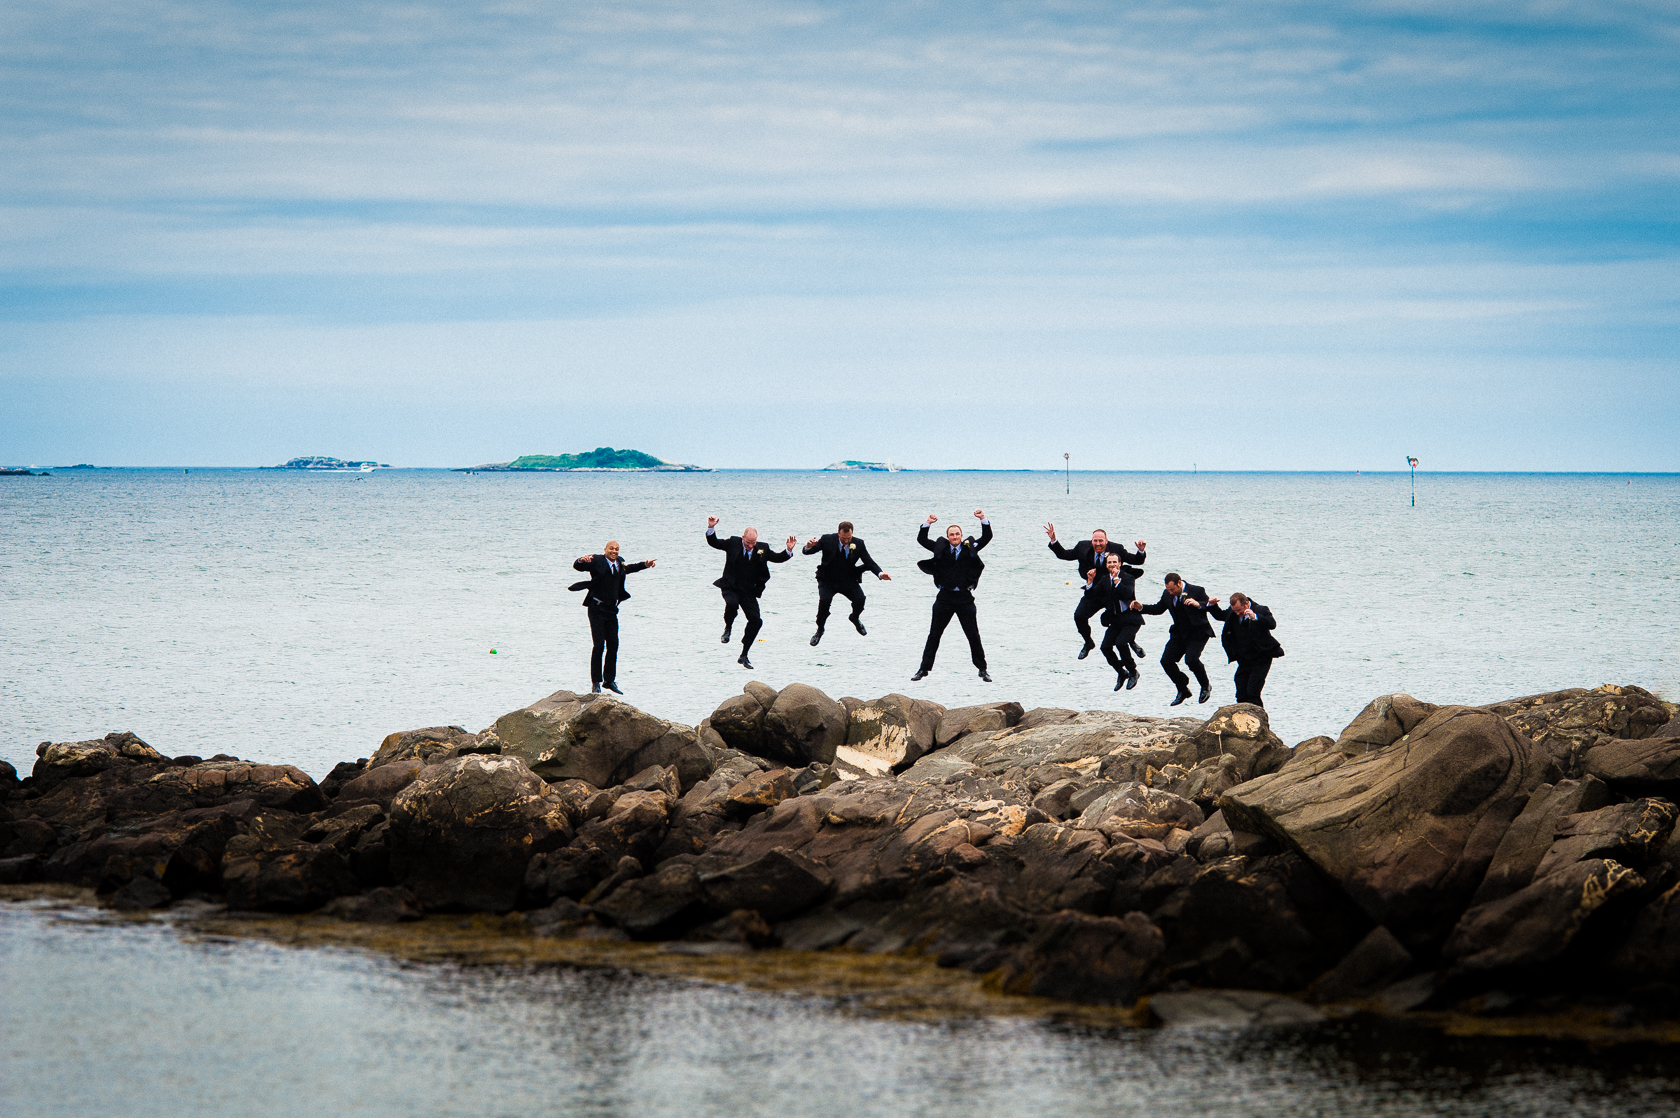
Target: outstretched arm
{"type": "Point", "coordinates": [985, 531]}
{"type": "Point", "coordinates": [1156, 607]}
{"type": "Point", "coordinates": [922, 536]}
{"type": "Point", "coordinates": [632, 568]}
{"type": "Point", "coordinates": [583, 564]}
{"type": "Point", "coordinates": [1139, 557]}
{"type": "Point", "coordinates": [782, 556]}
{"type": "Point", "coordinates": [812, 546]}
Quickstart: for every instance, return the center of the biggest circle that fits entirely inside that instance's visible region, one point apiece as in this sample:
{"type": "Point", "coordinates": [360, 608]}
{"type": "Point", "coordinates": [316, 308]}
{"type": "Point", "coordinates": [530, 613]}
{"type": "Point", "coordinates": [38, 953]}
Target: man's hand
{"type": "Point", "coordinates": [711, 522]}
{"type": "Point", "coordinates": [1143, 545]}
{"type": "Point", "coordinates": [586, 558]}
{"type": "Point", "coordinates": [1050, 530]}
{"type": "Point", "coordinates": [651, 562]}
{"type": "Point", "coordinates": [1192, 603]}
{"type": "Point", "coordinates": [791, 541]}
{"type": "Point", "coordinates": [812, 542]}
{"type": "Point", "coordinates": [932, 520]}
{"type": "Point", "coordinates": [1136, 604]}
{"type": "Point", "coordinates": [1213, 601]}
{"type": "Point", "coordinates": [979, 515]}
{"type": "Point", "coordinates": [884, 576]}
{"type": "Point", "coordinates": [1248, 615]}
{"type": "Point", "coordinates": [1090, 576]}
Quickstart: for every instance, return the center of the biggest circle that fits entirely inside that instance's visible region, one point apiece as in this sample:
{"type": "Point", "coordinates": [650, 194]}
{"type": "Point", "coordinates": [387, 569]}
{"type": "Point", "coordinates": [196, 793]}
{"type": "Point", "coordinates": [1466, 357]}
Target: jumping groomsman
{"type": "Point", "coordinates": [955, 567]}
{"type": "Point", "coordinates": [1090, 557]}
{"type": "Point", "coordinates": [606, 589]}
{"type": "Point", "coordinates": [840, 571]}
{"type": "Point", "coordinates": [1190, 632]}
{"type": "Point", "coordinates": [1249, 643]}
{"type": "Point", "coordinates": [1121, 619]}
{"type": "Point", "coordinates": [746, 570]}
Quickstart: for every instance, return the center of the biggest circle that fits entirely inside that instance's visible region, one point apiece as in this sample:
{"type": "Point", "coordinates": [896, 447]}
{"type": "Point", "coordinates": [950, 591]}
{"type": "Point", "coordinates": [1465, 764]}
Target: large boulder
{"type": "Point", "coordinates": [803, 725]}
{"type": "Point", "coordinates": [1384, 721]}
{"type": "Point", "coordinates": [58, 761]}
{"type": "Point", "coordinates": [181, 849]}
{"type": "Point", "coordinates": [598, 739]}
{"type": "Point", "coordinates": [463, 833]}
{"type": "Point", "coordinates": [297, 878]}
{"type": "Point", "coordinates": [425, 745]}
{"type": "Point", "coordinates": [1242, 731]}
{"type": "Point", "coordinates": [1538, 922]}
{"type": "Point", "coordinates": [739, 720]}
{"type": "Point", "coordinates": [778, 884]}
{"type": "Point", "coordinates": [380, 785]}
{"type": "Point", "coordinates": [1110, 744]}
{"type": "Point", "coordinates": [1104, 960]}
{"type": "Point", "coordinates": [209, 783]}
{"type": "Point", "coordinates": [888, 734]}
{"type": "Point", "coordinates": [1531, 834]}
{"type": "Point", "coordinates": [961, 721]}
{"type": "Point", "coordinates": [1570, 725]}
{"type": "Point", "coordinates": [1408, 830]}
{"type": "Point", "coordinates": [1137, 811]}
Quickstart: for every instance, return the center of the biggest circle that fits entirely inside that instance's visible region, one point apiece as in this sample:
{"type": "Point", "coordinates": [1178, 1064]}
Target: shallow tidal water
{"type": "Point", "coordinates": [118, 1017]}
{"type": "Point", "coordinates": [300, 617]}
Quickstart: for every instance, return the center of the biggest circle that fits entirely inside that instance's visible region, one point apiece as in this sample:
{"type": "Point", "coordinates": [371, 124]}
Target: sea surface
{"type": "Point", "coordinates": [300, 617]}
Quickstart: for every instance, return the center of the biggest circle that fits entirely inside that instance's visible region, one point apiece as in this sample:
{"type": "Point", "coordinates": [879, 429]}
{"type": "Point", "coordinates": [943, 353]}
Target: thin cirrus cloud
{"type": "Point", "coordinates": [470, 209]}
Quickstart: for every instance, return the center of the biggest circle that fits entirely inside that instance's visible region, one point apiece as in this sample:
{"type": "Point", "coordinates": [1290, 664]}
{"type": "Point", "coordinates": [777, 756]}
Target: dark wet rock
{"type": "Point", "coordinates": [428, 745]}
{"type": "Point", "coordinates": [1573, 726]}
{"type": "Point", "coordinates": [1384, 721]}
{"type": "Point", "coordinates": [370, 858]}
{"type": "Point", "coordinates": [212, 783]}
{"type": "Point", "coordinates": [1213, 827]}
{"type": "Point", "coordinates": [665, 903]}
{"type": "Point", "coordinates": [887, 734]}
{"type": "Point", "coordinates": [8, 780]}
{"type": "Point", "coordinates": [778, 885]}
{"type": "Point", "coordinates": [636, 827]}
{"type": "Point", "coordinates": [627, 869]}
{"type": "Point", "coordinates": [739, 720]}
{"type": "Point", "coordinates": [831, 925]}
{"type": "Point", "coordinates": [958, 722]}
{"type": "Point", "coordinates": [656, 778]}
{"type": "Point", "coordinates": [562, 919]}
{"type": "Point", "coordinates": [343, 831]}
{"type": "Point", "coordinates": [297, 878]}
{"type": "Point", "coordinates": [182, 849]}
{"type": "Point", "coordinates": [1538, 922]}
{"type": "Point", "coordinates": [960, 922]}
{"type": "Point", "coordinates": [1243, 732]}
{"type": "Point", "coordinates": [29, 836]}
{"type": "Point", "coordinates": [21, 870]}
{"type": "Point", "coordinates": [1531, 834]}
{"type": "Point", "coordinates": [743, 926]}
{"type": "Point", "coordinates": [142, 893]}
{"type": "Point", "coordinates": [1053, 866]}
{"type": "Point", "coordinates": [1651, 949]}
{"type": "Point", "coordinates": [1627, 833]}
{"type": "Point", "coordinates": [1375, 963]}
{"type": "Point", "coordinates": [377, 906]}
{"type": "Point", "coordinates": [599, 739]}
{"type": "Point", "coordinates": [1232, 1009]}
{"type": "Point", "coordinates": [1104, 960]}
{"type": "Point", "coordinates": [568, 873]}
{"type": "Point", "coordinates": [1053, 800]}
{"type": "Point", "coordinates": [380, 785]}
{"type": "Point", "coordinates": [759, 791]}
{"type": "Point", "coordinates": [342, 773]}
{"type": "Point", "coordinates": [802, 726]}
{"type": "Point", "coordinates": [463, 833]}
{"type": "Point", "coordinates": [1407, 831]}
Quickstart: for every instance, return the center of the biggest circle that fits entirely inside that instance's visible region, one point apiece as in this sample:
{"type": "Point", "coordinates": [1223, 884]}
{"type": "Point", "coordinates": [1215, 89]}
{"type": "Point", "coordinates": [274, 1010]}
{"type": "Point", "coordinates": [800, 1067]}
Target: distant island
{"type": "Point", "coordinates": [853, 464]}
{"type": "Point", "coordinates": [8, 471]}
{"type": "Point", "coordinates": [319, 463]}
{"type": "Point", "coordinates": [82, 466]}
{"type": "Point", "coordinates": [601, 458]}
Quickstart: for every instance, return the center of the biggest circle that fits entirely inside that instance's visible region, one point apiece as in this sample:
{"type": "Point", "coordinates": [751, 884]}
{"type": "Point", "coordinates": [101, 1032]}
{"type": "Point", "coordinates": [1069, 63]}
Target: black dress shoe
{"type": "Point", "coordinates": [1137, 649]}
{"type": "Point", "coordinates": [1086, 651]}
{"type": "Point", "coordinates": [725, 638]}
{"type": "Point", "coordinates": [743, 661]}
{"type": "Point", "coordinates": [1182, 695]}
{"type": "Point", "coordinates": [1203, 697]}
{"type": "Point", "coordinates": [613, 687]}
{"type": "Point", "coordinates": [921, 673]}
{"type": "Point", "coordinates": [857, 623]}
{"type": "Point", "coordinates": [815, 637]}
{"type": "Point", "coordinates": [596, 689]}
{"type": "Point", "coordinates": [1121, 682]}
{"type": "Point", "coordinates": [984, 677]}
{"type": "Point", "coordinates": [1131, 680]}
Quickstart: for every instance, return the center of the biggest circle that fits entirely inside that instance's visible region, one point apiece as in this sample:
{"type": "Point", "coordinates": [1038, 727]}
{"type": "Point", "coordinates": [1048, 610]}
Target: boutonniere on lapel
{"type": "Point", "coordinates": [850, 547]}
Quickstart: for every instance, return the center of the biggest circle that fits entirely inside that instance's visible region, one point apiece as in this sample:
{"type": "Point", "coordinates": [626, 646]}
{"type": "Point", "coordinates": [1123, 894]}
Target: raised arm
{"type": "Point", "coordinates": [922, 536]}
{"type": "Point", "coordinates": [782, 556]}
{"type": "Point", "coordinates": [812, 546]}
{"type": "Point", "coordinates": [1139, 556]}
{"type": "Point", "coordinates": [985, 535]}
{"type": "Point", "coordinates": [585, 564]}
{"type": "Point", "coordinates": [712, 536]}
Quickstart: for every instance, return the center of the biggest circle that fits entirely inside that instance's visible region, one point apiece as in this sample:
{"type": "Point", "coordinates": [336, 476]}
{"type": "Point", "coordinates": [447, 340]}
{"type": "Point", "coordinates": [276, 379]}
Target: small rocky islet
{"type": "Point", "coordinates": [1514, 859]}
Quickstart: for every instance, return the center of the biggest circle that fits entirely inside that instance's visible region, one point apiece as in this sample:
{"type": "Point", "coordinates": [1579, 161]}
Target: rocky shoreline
{"type": "Point", "coordinates": [1514, 860]}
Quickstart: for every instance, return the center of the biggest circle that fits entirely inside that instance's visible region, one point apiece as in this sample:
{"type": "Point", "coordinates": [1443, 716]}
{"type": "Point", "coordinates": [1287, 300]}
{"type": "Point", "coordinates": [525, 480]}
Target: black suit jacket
{"type": "Point", "coordinates": [1188, 621]}
{"type": "Point", "coordinates": [1248, 640]}
{"type": "Point", "coordinates": [741, 574]}
{"type": "Point", "coordinates": [606, 589]}
{"type": "Point", "coordinates": [961, 571]}
{"type": "Point", "coordinates": [1086, 555]}
{"type": "Point", "coordinates": [839, 565]}
{"type": "Point", "coordinates": [1115, 597]}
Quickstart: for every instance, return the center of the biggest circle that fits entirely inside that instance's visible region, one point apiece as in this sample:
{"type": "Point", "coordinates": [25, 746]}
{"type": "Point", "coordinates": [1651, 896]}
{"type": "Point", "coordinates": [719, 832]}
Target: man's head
{"type": "Point", "coordinates": [845, 531]}
{"type": "Point", "coordinates": [1114, 564]}
{"type": "Point", "coordinates": [611, 550]}
{"type": "Point", "coordinates": [1099, 540]}
{"type": "Point", "coordinates": [1239, 600]}
{"type": "Point", "coordinates": [1175, 585]}
{"type": "Point", "coordinates": [953, 534]}
{"type": "Point", "coordinates": [750, 536]}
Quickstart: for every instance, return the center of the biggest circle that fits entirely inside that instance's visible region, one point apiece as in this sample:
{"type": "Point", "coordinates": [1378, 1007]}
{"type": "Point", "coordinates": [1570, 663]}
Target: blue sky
{"type": "Point", "coordinates": [1249, 235]}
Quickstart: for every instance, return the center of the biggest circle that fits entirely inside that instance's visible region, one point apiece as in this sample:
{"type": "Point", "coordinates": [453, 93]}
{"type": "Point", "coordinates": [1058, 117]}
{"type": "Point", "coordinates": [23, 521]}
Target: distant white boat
{"type": "Point", "coordinates": [368, 467]}
{"type": "Point", "coordinates": [853, 464]}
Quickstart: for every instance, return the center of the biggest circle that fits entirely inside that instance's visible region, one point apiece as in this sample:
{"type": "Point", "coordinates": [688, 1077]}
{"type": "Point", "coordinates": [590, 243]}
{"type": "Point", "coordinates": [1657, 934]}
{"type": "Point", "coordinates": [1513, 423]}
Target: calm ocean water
{"type": "Point", "coordinates": [300, 617]}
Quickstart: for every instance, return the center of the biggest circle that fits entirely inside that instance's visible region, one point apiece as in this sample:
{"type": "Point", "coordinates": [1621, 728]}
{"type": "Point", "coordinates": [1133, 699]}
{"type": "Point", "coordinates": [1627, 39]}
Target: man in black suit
{"type": "Point", "coordinates": [746, 570]}
{"type": "Point", "coordinates": [1115, 587]}
{"type": "Point", "coordinates": [955, 567]}
{"type": "Point", "coordinates": [1090, 556]}
{"type": "Point", "coordinates": [840, 571]}
{"type": "Point", "coordinates": [1189, 634]}
{"type": "Point", "coordinates": [606, 589]}
{"type": "Point", "coordinates": [1249, 643]}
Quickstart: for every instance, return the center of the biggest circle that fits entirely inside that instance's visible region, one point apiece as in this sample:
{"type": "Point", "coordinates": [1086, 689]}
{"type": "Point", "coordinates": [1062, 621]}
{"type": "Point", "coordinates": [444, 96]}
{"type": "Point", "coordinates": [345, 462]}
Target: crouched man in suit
{"type": "Point", "coordinates": [1249, 643]}
{"type": "Point", "coordinates": [955, 567]}
{"type": "Point", "coordinates": [840, 571]}
{"type": "Point", "coordinates": [1190, 632]}
{"type": "Point", "coordinates": [605, 588]}
{"type": "Point", "coordinates": [746, 571]}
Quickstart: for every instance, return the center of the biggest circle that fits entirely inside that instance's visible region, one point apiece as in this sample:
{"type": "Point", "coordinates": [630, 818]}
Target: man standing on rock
{"type": "Point", "coordinates": [1090, 557]}
{"type": "Point", "coordinates": [840, 571]}
{"type": "Point", "coordinates": [746, 570]}
{"type": "Point", "coordinates": [1189, 634]}
{"type": "Point", "coordinates": [1248, 642]}
{"type": "Point", "coordinates": [605, 590]}
{"type": "Point", "coordinates": [955, 567]}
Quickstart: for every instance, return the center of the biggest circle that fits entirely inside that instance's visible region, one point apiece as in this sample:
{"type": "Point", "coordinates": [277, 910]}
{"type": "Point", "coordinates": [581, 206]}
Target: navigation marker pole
{"type": "Point", "coordinates": [1067, 468]}
{"type": "Point", "coordinates": [1412, 462]}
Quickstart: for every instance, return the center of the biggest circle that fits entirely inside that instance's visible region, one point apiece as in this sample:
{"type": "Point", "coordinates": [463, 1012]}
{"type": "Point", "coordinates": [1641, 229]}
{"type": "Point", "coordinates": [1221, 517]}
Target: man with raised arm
{"type": "Point", "coordinates": [1190, 632]}
{"type": "Point", "coordinates": [1090, 557]}
{"type": "Point", "coordinates": [955, 567]}
{"type": "Point", "coordinates": [840, 571]}
{"type": "Point", "coordinates": [605, 588]}
{"type": "Point", "coordinates": [746, 570]}
{"type": "Point", "coordinates": [1121, 619]}
{"type": "Point", "coordinates": [1248, 642]}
